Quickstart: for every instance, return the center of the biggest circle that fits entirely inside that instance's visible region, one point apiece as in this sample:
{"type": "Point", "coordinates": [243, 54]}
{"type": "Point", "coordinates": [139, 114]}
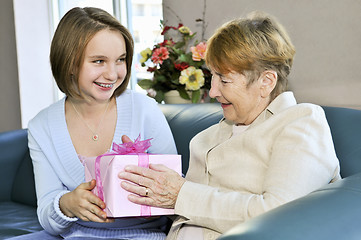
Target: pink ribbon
{"type": "Point", "coordinates": [131, 148]}
{"type": "Point", "coordinates": [143, 161]}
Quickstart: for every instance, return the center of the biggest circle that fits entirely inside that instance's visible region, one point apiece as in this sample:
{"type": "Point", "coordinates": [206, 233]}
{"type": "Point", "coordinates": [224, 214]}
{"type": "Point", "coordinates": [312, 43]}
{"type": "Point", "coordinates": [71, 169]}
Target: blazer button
{"type": "Point", "coordinates": [210, 236]}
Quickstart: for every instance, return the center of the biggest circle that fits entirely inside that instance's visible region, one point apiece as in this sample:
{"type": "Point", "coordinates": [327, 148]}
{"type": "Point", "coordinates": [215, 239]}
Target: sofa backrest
{"type": "Point", "coordinates": [186, 120]}
{"type": "Point", "coordinates": [345, 124]}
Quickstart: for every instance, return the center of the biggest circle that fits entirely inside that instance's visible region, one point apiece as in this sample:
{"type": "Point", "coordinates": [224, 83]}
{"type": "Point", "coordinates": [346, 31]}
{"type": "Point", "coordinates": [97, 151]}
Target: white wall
{"type": "Point", "coordinates": [326, 33]}
{"type": "Point", "coordinates": [33, 37]}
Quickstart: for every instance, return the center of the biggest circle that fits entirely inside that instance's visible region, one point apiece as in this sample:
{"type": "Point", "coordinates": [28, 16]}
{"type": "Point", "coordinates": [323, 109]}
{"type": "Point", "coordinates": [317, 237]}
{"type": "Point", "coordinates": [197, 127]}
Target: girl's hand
{"type": "Point", "coordinates": [83, 204]}
{"type": "Point", "coordinates": [157, 186]}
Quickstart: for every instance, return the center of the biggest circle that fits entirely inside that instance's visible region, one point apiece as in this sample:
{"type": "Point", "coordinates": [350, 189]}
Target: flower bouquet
{"type": "Point", "coordinates": [177, 67]}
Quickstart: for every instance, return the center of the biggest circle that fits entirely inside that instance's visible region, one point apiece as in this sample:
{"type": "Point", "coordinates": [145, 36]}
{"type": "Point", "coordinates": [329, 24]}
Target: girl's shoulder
{"type": "Point", "coordinates": [135, 96]}
{"type": "Point", "coordinates": [136, 100]}
{"type": "Point", "coordinates": [42, 116]}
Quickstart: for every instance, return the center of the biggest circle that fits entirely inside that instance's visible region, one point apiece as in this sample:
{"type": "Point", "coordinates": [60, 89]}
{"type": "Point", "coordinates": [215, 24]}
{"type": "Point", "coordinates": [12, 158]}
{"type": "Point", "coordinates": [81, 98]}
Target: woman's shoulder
{"type": "Point", "coordinates": [306, 109]}
{"type": "Point", "coordinates": [301, 113]}
{"type": "Point", "coordinates": [285, 103]}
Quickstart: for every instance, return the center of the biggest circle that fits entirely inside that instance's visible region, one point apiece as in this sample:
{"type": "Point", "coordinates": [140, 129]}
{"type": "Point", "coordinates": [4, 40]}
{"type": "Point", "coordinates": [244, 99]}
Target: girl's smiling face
{"type": "Point", "coordinates": [241, 102]}
{"type": "Point", "coordinates": [104, 68]}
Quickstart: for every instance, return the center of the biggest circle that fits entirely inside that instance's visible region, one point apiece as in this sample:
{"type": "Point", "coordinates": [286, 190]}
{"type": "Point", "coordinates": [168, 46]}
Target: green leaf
{"type": "Point", "coordinates": [183, 93]}
{"type": "Point", "coordinates": [185, 58]}
{"type": "Point", "coordinates": [145, 83]}
{"type": "Point", "coordinates": [195, 96]}
{"type": "Point", "coordinates": [179, 44]}
{"type": "Point", "coordinates": [159, 97]}
{"type": "Point", "coordinates": [177, 51]}
{"type": "Point", "coordinates": [160, 78]}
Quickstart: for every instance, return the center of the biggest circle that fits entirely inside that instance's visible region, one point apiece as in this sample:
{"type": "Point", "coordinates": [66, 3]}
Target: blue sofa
{"type": "Point", "coordinates": [333, 212]}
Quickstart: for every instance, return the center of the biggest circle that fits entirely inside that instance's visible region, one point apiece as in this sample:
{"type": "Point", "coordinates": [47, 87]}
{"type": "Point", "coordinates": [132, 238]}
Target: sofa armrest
{"type": "Point", "coordinates": [16, 170]}
{"type": "Point", "coordinates": [13, 148]}
{"type": "Point", "coordinates": [332, 213]}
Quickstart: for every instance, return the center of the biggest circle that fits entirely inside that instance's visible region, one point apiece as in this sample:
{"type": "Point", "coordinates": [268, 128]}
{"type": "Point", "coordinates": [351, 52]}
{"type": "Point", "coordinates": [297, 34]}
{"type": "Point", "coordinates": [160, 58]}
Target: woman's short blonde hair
{"type": "Point", "coordinates": [75, 30]}
{"type": "Point", "coordinates": [250, 46]}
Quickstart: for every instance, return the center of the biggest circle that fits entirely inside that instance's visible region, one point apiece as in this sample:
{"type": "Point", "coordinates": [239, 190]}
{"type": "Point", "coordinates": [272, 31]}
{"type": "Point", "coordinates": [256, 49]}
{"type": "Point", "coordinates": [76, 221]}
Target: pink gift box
{"type": "Point", "coordinates": [115, 197]}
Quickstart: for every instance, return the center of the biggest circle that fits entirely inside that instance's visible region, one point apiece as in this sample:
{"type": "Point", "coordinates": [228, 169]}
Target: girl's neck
{"type": "Point", "coordinates": [91, 108]}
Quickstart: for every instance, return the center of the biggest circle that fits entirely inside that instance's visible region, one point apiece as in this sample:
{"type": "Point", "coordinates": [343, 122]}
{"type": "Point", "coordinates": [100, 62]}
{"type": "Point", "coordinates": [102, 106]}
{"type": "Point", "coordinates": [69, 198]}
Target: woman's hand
{"type": "Point", "coordinates": [157, 186]}
{"type": "Point", "coordinates": [83, 204]}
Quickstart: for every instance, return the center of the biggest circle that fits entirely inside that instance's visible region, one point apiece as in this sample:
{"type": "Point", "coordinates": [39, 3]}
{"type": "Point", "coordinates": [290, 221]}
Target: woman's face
{"type": "Point", "coordinates": [241, 103]}
{"type": "Point", "coordinates": [104, 66]}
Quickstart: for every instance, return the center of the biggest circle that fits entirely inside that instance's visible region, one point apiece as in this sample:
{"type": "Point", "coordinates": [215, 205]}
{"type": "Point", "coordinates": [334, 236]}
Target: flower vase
{"type": "Point", "coordinates": [173, 97]}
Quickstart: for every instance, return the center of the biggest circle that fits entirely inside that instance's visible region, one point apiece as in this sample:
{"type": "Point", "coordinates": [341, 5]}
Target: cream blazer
{"type": "Point", "coordinates": [286, 153]}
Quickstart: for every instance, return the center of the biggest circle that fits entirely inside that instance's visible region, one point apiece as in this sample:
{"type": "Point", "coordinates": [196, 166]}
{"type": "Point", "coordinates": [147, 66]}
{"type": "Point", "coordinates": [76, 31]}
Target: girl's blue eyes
{"type": "Point", "coordinates": [102, 61]}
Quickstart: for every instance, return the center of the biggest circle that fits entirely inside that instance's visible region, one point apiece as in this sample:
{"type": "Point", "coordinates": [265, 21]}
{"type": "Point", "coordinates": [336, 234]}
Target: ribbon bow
{"type": "Point", "coordinates": [132, 147]}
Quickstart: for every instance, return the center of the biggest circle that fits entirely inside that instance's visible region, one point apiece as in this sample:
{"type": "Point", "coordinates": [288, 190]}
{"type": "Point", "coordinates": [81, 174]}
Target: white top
{"type": "Point", "coordinates": [57, 167]}
{"type": "Point", "coordinates": [238, 129]}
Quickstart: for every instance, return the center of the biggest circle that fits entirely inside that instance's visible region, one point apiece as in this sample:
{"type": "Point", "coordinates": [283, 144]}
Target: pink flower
{"type": "Point", "coordinates": [198, 52]}
{"type": "Point", "coordinates": [159, 55]}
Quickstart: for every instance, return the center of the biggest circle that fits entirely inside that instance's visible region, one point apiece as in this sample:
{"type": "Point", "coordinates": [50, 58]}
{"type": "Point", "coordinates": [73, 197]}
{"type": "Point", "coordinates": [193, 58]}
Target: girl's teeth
{"type": "Point", "coordinates": [105, 85]}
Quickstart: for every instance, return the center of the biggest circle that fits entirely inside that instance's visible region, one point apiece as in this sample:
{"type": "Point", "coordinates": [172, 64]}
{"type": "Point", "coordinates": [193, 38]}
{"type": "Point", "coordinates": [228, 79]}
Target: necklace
{"type": "Point", "coordinates": [95, 136]}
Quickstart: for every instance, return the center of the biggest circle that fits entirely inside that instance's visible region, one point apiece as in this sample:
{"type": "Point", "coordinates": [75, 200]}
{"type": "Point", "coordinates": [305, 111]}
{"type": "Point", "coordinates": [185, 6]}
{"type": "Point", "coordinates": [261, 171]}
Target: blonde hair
{"type": "Point", "coordinates": [250, 46]}
{"type": "Point", "coordinates": [75, 30]}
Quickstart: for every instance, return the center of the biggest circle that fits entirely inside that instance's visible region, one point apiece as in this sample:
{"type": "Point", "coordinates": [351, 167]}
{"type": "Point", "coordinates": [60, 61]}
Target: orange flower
{"type": "Point", "coordinates": [199, 51]}
{"type": "Point", "coordinates": [159, 55]}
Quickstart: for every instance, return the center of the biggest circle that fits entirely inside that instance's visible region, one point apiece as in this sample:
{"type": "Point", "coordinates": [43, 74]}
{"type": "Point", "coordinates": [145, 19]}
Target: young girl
{"type": "Point", "coordinates": [91, 57]}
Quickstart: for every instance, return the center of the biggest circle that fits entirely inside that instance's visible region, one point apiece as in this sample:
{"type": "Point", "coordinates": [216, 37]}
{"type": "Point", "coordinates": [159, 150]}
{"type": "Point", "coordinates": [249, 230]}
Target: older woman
{"type": "Point", "coordinates": [268, 150]}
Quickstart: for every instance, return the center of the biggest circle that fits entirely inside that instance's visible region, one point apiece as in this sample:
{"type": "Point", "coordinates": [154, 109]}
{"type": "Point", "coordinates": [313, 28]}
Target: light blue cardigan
{"type": "Point", "coordinates": [56, 164]}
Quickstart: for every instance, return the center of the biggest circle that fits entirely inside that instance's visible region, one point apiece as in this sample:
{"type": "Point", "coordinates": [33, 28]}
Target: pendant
{"type": "Point", "coordinates": [95, 137]}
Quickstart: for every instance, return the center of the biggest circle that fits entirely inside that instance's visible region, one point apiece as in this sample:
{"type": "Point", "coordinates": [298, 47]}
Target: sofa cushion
{"type": "Point", "coordinates": [17, 219]}
{"type": "Point", "coordinates": [330, 213]}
